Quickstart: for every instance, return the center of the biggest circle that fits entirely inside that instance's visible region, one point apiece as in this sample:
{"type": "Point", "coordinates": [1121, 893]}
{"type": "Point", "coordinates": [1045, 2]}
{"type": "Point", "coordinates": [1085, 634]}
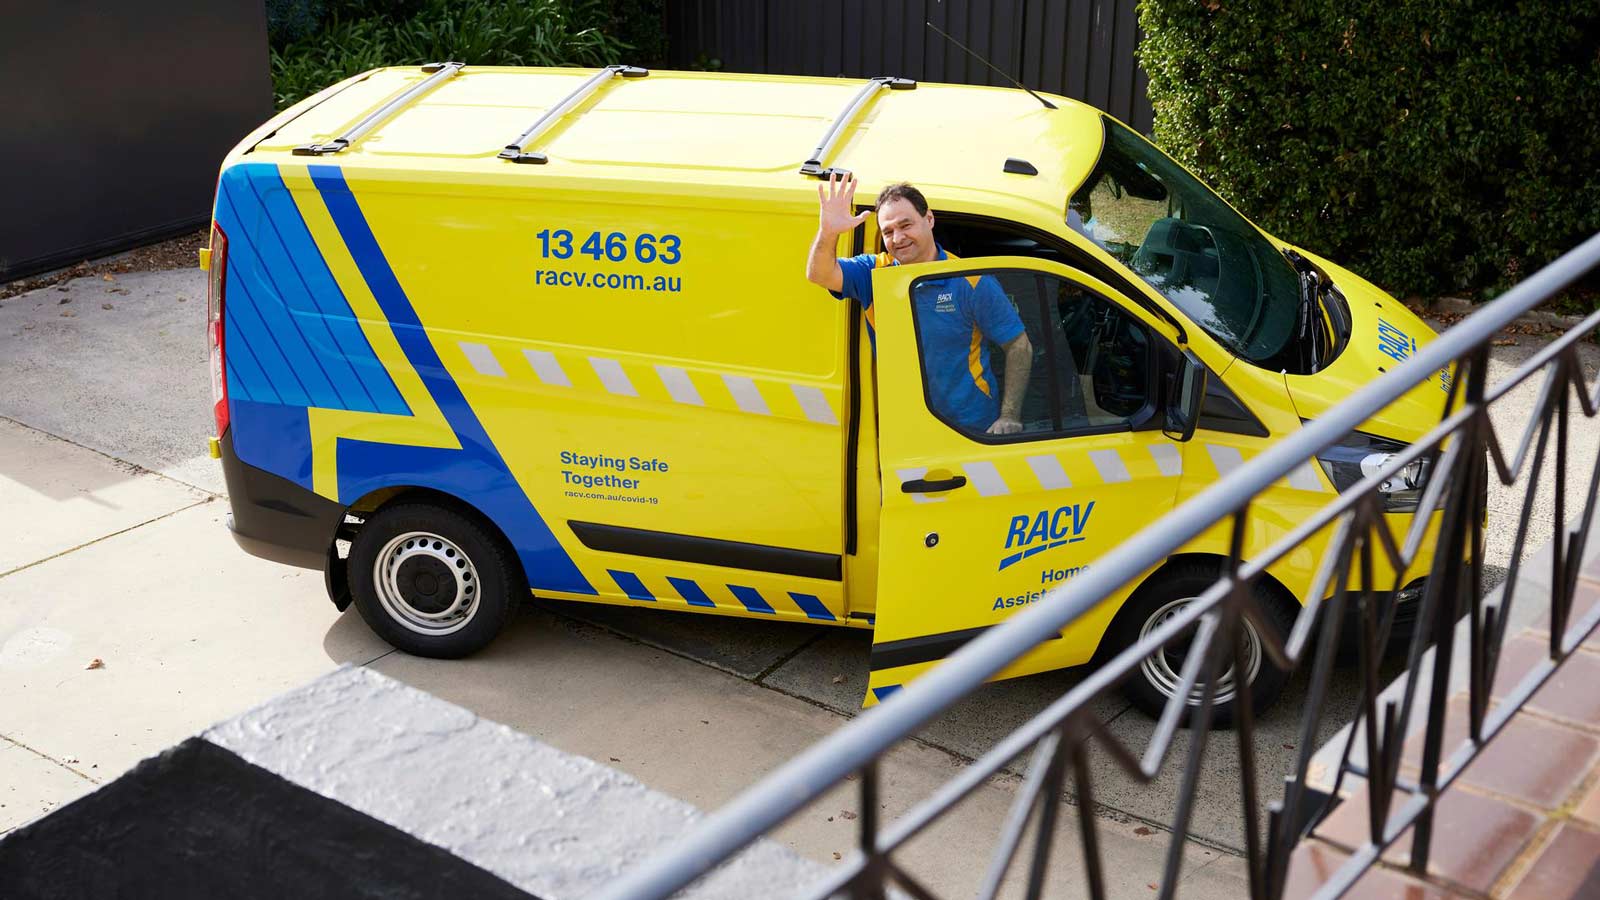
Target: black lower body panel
{"type": "Point", "coordinates": [276, 519]}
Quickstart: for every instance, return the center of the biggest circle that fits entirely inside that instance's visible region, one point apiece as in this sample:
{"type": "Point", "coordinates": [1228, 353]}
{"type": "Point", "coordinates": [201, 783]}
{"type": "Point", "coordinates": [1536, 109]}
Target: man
{"type": "Point", "coordinates": [953, 315]}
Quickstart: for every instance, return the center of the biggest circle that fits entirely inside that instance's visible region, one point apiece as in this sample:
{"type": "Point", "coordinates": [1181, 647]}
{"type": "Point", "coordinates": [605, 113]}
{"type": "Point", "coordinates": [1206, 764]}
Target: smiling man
{"type": "Point", "coordinates": [955, 316]}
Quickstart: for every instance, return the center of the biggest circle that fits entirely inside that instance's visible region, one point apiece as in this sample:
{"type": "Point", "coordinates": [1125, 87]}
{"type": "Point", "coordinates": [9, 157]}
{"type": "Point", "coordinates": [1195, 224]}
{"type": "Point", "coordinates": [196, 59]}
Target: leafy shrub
{"type": "Point", "coordinates": [354, 38]}
{"type": "Point", "coordinates": [1434, 147]}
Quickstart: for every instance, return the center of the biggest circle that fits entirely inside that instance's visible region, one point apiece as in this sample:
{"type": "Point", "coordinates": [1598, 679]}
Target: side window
{"type": "Point", "coordinates": [1088, 365]}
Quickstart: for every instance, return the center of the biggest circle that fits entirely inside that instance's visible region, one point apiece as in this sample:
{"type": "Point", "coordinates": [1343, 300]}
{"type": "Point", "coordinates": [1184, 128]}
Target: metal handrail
{"type": "Point", "coordinates": [442, 72]}
{"type": "Point", "coordinates": [813, 164]}
{"type": "Point", "coordinates": [855, 747]}
{"type": "Point", "coordinates": [516, 151]}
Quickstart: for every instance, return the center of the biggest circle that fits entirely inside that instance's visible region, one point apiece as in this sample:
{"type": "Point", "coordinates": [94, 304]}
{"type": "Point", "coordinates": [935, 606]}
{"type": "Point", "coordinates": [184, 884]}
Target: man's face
{"type": "Point", "coordinates": [907, 235]}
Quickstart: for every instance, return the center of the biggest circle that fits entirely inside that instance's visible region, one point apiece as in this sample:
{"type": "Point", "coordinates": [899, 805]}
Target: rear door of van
{"type": "Point", "coordinates": [976, 526]}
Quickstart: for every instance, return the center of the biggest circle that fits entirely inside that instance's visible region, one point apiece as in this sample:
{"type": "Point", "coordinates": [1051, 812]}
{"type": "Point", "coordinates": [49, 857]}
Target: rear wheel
{"type": "Point", "coordinates": [1159, 676]}
{"type": "Point", "coordinates": [431, 581]}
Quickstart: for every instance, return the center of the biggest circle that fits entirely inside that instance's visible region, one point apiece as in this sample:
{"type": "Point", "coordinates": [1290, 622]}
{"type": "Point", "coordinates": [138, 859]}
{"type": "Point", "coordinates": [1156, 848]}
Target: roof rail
{"type": "Point", "coordinates": [813, 165]}
{"type": "Point", "coordinates": [516, 152]}
{"type": "Point", "coordinates": [441, 72]}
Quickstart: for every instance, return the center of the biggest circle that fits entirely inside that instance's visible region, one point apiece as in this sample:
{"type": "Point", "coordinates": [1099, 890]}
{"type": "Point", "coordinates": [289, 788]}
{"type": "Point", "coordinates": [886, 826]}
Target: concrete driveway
{"type": "Point", "coordinates": [129, 620]}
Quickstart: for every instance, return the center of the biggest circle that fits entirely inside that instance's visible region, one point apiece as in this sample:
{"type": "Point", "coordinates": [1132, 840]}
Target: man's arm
{"type": "Point", "coordinates": [836, 200]}
{"type": "Point", "coordinates": [1019, 362]}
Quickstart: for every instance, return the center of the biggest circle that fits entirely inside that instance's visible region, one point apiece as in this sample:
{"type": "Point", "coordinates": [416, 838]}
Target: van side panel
{"type": "Point", "coordinates": [655, 382]}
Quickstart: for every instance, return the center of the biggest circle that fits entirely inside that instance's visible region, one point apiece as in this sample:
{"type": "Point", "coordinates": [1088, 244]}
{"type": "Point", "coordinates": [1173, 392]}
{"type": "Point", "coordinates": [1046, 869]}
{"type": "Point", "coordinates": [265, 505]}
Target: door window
{"type": "Point", "coordinates": [1089, 367]}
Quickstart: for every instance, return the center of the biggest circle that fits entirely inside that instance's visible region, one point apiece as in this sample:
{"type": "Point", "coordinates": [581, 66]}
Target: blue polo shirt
{"type": "Point", "coordinates": [954, 315]}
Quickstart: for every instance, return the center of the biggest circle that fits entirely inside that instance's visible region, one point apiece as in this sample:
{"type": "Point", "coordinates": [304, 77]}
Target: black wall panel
{"type": "Point", "coordinates": [1082, 49]}
{"type": "Point", "coordinates": [116, 117]}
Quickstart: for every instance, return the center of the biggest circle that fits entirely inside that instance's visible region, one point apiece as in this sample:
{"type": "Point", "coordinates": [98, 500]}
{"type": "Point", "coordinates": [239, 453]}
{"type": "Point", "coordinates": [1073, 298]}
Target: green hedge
{"type": "Point", "coordinates": [317, 44]}
{"type": "Point", "coordinates": [1434, 147]}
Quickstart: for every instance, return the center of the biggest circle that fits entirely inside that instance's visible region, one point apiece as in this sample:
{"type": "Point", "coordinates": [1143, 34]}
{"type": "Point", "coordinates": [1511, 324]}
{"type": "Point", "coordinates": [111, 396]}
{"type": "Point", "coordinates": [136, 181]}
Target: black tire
{"type": "Point", "coordinates": [1155, 681]}
{"type": "Point", "coordinates": [448, 584]}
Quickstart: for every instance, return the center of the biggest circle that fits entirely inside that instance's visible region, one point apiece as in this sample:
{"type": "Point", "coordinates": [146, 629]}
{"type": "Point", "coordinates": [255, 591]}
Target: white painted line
{"type": "Point", "coordinates": [1110, 466]}
{"type": "Point", "coordinates": [482, 359]}
{"type": "Point", "coordinates": [1168, 459]}
{"type": "Point", "coordinates": [986, 478]}
{"type": "Point", "coordinates": [746, 395]}
{"type": "Point", "coordinates": [547, 368]}
{"type": "Point", "coordinates": [1049, 472]}
{"type": "Point", "coordinates": [912, 475]}
{"type": "Point", "coordinates": [1226, 459]}
{"type": "Point", "coordinates": [814, 403]}
{"type": "Point", "coordinates": [1304, 478]}
{"type": "Point", "coordinates": [612, 376]}
{"type": "Point", "coordinates": [679, 386]}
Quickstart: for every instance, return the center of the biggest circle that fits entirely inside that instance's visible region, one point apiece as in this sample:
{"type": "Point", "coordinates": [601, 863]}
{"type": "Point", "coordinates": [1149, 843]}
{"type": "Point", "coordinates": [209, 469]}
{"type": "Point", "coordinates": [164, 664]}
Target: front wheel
{"type": "Point", "coordinates": [431, 581]}
{"type": "Point", "coordinates": [1159, 676]}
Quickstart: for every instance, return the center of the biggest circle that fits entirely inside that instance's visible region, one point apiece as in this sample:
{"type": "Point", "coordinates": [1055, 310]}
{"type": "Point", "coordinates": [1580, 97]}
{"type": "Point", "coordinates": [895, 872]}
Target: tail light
{"type": "Point", "coordinates": [216, 283]}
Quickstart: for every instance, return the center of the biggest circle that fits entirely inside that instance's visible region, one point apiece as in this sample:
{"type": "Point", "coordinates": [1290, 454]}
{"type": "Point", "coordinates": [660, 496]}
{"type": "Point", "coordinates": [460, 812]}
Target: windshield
{"type": "Point", "coordinates": [1177, 235]}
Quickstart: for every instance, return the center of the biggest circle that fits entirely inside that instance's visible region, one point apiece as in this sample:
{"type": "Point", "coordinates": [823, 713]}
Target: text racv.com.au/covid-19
{"type": "Point", "coordinates": [596, 495]}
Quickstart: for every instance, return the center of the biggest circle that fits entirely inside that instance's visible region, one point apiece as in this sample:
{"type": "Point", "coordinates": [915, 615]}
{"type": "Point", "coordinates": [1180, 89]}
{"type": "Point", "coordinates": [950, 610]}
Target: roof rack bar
{"type": "Point", "coordinates": [515, 151]}
{"type": "Point", "coordinates": [868, 92]}
{"type": "Point", "coordinates": [441, 72]}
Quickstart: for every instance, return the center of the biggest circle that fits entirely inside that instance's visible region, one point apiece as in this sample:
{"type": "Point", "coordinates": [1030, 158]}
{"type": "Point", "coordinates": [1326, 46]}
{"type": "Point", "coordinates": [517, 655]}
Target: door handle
{"type": "Point", "coordinates": [924, 486]}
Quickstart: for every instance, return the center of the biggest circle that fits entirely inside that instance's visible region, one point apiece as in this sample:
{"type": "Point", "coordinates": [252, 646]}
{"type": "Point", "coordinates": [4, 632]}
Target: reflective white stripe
{"type": "Point", "coordinates": [912, 475]}
{"type": "Point", "coordinates": [679, 386]}
{"type": "Point", "coordinates": [547, 368]}
{"type": "Point", "coordinates": [814, 403]}
{"type": "Point", "coordinates": [1304, 478]}
{"type": "Point", "coordinates": [1226, 459]}
{"type": "Point", "coordinates": [482, 359]}
{"type": "Point", "coordinates": [745, 394]}
{"type": "Point", "coordinates": [986, 479]}
{"type": "Point", "coordinates": [1168, 459]}
{"type": "Point", "coordinates": [1110, 466]}
{"type": "Point", "coordinates": [1049, 472]}
{"type": "Point", "coordinates": [612, 376]}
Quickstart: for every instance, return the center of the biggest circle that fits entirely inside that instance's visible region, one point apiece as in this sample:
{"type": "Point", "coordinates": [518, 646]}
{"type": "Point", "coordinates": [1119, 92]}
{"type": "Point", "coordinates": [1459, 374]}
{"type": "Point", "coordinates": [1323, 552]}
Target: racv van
{"type": "Point", "coordinates": [481, 333]}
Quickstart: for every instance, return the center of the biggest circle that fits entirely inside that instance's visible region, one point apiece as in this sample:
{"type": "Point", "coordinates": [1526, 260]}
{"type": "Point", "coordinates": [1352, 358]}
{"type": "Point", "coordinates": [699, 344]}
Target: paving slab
{"type": "Point", "coordinates": [129, 380]}
{"type": "Point", "coordinates": [704, 736]}
{"type": "Point", "coordinates": [56, 496]}
{"type": "Point", "coordinates": [31, 786]}
{"type": "Point", "coordinates": [187, 628]}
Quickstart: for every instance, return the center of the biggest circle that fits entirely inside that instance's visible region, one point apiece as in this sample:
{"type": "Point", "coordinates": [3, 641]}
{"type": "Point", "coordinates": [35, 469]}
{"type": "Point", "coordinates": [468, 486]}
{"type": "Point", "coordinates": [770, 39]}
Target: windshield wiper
{"type": "Point", "coordinates": [1309, 335]}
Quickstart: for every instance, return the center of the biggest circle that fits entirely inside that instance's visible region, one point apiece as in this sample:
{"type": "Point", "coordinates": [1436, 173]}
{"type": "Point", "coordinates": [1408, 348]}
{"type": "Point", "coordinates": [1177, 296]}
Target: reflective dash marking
{"type": "Point", "coordinates": [746, 395]}
{"type": "Point", "coordinates": [912, 475]}
{"type": "Point", "coordinates": [1110, 466]}
{"type": "Point", "coordinates": [885, 692]}
{"type": "Point", "coordinates": [1304, 478]}
{"type": "Point", "coordinates": [752, 599]}
{"type": "Point", "coordinates": [631, 585]}
{"type": "Point", "coordinates": [1049, 472]}
{"type": "Point", "coordinates": [690, 592]}
{"type": "Point", "coordinates": [986, 478]}
{"type": "Point", "coordinates": [482, 359]}
{"type": "Point", "coordinates": [814, 403]}
{"type": "Point", "coordinates": [1226, 459]}
{"type": "Point", "coordinates": [547, 368]}
{"type": "Point", "coordinates": [812, 607]}
{"type": "Point", "coordinates": [1168, 459]}
{"type": "Point", "coordinates": [679, 386]}
{"type": "Point", "coordinates": [612, 376]}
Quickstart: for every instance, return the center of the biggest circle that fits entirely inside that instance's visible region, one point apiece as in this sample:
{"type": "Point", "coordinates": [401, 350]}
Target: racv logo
{"type": "Point", "coordinates": [1045, 530]}
{"type": "Point", "coordinates": [1394, 343]}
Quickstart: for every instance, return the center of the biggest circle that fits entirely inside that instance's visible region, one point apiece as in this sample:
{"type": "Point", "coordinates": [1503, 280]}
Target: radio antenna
{"type": "Point", "coordinates": [1003, 74]}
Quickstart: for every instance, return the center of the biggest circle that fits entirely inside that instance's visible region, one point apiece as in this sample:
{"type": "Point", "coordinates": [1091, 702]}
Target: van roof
{"type": "Point", "coordinates": [705, 128]}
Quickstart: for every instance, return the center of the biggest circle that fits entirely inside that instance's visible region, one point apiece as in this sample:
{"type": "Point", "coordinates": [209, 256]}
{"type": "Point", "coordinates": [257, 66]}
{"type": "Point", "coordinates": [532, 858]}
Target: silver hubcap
{"type": "Point", "coordinates": [1164, 668]}
{"type": "Point", "coordinates": [426, 583]}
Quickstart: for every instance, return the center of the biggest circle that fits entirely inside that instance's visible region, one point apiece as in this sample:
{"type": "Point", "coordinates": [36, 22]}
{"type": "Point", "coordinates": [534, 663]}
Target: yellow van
{"type": "Point", "coordinates": [477, 332]}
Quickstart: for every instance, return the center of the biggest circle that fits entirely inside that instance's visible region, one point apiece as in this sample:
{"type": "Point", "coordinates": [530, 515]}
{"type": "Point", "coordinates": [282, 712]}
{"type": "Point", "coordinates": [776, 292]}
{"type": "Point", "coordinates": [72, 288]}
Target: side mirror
{"type": "Point", "coordinates": [1186, 392]}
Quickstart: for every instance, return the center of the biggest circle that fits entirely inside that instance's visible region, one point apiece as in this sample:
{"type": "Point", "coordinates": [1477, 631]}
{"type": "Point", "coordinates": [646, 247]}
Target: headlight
{"type": "Point", "coordinates": [1361, 455]}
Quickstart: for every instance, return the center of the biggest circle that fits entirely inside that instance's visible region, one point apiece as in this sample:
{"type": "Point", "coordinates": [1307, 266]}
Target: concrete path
{"type": "Point", "coordinates": [124, 559]}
